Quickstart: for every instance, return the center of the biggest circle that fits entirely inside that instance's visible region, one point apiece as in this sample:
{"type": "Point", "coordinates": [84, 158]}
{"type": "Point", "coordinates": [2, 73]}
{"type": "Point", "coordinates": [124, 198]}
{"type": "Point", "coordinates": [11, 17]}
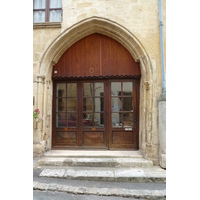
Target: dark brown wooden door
{"type": "Point", "coordinates": [96, 114]}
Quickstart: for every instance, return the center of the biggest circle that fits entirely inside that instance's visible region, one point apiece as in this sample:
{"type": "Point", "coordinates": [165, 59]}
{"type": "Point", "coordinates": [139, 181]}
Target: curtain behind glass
{"type": "Point", "coordinates": [39, 16]}
{"type": "Point", "coordinates": [39, 4]}
{"type": "Point", "coordinates": [55, 3]}
{"type": "Point", "coordinates": [55, 16]}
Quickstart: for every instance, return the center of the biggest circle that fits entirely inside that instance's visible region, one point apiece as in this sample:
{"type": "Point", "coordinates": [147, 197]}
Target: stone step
{"type": "Point", "coordinates": [60, 162]}
{"type": "Point", "coordinates": [139, 175]}
{"type": "Point", "coordinates": [92, 154]}
{"type": "Point", "coordinates": [117, 192]}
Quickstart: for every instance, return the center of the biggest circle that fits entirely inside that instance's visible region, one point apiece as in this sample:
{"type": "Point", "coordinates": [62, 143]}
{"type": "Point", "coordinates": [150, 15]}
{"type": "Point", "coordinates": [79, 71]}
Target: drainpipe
{"type": "Point", "coordinates": [162, 47]}
{"type": "Point", "coordinates": [162, 102]}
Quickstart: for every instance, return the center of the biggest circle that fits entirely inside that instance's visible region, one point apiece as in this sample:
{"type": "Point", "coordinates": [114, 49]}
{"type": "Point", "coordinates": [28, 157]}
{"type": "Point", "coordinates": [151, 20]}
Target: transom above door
{"type": "Point", "coordinates": [97, 114]}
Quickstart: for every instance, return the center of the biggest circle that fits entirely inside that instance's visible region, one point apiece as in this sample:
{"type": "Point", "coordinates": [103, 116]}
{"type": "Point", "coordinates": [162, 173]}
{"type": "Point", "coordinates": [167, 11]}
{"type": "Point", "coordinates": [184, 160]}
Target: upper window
{"type": "Point", "coordinates": [47, 11]}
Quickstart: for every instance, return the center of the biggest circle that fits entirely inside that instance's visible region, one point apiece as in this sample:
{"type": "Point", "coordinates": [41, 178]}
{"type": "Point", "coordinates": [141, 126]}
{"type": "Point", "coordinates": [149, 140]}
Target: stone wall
{"type": "Point", "coordinates": [133, 23]}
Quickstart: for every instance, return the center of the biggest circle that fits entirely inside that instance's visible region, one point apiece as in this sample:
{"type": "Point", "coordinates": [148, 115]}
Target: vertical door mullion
{"type": "Point", "coordinates": [80, 111]}
{"type": "Point", "coordinates": [66, 107]}
{"type": "Point", "coordinates": [122, 109]}
{"type": "Point", "coordinates": [93, 104]}
{"type": "Point", "coordinates": [109, 114]}
{"type": "Point", "coordinates": [134, 114]}
{"type": "Point", "coordinates": [54, 114]}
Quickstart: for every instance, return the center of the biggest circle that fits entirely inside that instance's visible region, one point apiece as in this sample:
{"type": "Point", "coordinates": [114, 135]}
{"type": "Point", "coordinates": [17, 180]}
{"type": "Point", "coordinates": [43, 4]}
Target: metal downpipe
{"type": "Point", "coordinates": [162, 48]}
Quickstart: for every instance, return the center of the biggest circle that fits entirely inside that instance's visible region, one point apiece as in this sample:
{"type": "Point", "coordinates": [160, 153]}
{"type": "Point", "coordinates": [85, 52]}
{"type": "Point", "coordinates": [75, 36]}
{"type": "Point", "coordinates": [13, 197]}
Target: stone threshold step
{"type": "Point", "coordinates": [93, 154]}
{"type": "Point", "coordinates": [138, 175]}
{"type": "Point", "coordinates": [94, 162]}
{"type": "Point", "coordinates": [129, 193]}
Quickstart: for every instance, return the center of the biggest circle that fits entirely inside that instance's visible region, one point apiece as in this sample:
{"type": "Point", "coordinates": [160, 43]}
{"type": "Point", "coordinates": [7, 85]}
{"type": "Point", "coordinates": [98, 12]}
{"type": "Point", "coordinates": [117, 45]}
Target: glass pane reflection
{"type": "Point", "coordinates": [87, 119]}
{"type": "Point", "coordinates": [71, 119]}
{"type": "Point", "coordinates": [87, 104]}
{"type": "Point", "coordinates": [128, 119]}
{"type": "Point", "coordinates": [60, 119]}
{"type": "Point", "coordinates": [116, 88]}
{"type": "Point", "coordinates": [61, 90]}
{"type": "Point", "coordinates": [99, 120]}
{"type": "Point", "coordinates": [98, 105]}
{"type": "Point", "coordinates": [71, 104]}
{"type": "Point", "coordinates": [127, 104]}
{"type": "Point", "coordinates": [60, 104]}
{"type": "Point", "coordinates": [87, 89]}
{"type": "Point", "coordinates": [116, 104]}
{"type": "Point", "coordinates": [71, 90]}
{"type": "Point", "coordinates": [98, 89]}
{"type": "Point", "coordinates": [116, 120]}
{"type": "Point", "coordinates": [127, 88]}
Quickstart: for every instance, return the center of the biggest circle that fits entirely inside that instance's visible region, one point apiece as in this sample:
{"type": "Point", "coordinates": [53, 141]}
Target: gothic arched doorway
{"type": "Point", "coordinates": [96, 96]}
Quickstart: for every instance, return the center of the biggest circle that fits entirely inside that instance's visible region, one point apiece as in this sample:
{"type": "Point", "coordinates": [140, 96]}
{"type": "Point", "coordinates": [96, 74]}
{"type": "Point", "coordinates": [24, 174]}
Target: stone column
{"type": "Point", "coordinates": [38, 143]}
{"type": "Point", "coordinates": [162, 129]}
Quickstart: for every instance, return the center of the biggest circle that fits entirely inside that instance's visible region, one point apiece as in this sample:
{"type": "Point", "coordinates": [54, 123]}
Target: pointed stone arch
{"type": "Point", "coordinates": [119, 33]}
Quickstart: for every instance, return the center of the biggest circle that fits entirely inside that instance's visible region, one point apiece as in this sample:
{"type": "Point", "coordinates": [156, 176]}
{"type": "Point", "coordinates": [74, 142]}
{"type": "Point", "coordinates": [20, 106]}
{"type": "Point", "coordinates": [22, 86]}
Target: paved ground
{"type": "Point", "coordinates": [40, 195]}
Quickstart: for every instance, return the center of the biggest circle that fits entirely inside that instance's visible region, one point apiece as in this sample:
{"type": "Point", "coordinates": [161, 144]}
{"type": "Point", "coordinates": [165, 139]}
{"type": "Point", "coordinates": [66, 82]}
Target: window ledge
{"type": "Point", "coordinates": [47, 25]}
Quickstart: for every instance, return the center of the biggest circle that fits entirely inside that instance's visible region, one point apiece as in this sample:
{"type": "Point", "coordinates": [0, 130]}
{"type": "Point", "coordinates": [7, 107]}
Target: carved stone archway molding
{"type": "Point", "coordinates": [119, 33]}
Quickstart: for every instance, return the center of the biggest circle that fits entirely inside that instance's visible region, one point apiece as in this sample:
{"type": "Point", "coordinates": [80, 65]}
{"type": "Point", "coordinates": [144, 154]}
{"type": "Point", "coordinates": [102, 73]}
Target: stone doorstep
{"type": "Point", "coordinates": [140, 175]}
{"type": "Point", "coordinates": [93, 154]}
{"type": "Point", "coordinates": [94, 162]}
{"type": "Point", "coordinates": [145, 194]}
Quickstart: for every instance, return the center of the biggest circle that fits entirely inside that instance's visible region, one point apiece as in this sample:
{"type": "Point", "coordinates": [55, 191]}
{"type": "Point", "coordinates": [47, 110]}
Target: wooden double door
{"type": "Point", "coordinates": [96, 114]}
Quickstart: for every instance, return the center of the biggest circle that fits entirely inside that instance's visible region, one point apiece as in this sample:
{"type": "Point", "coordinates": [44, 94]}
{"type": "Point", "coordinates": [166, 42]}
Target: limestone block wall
{"type": "Point", "coordinates": [138, 18]}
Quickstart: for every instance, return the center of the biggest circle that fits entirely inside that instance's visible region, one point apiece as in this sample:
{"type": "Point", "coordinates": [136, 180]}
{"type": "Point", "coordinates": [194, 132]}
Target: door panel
{"type": "Point", "coordinates": [122, 138]}
{"type": "Point", "coordinates": [69, 137]}
{"type": "Point", "coordinates": [93, 138]}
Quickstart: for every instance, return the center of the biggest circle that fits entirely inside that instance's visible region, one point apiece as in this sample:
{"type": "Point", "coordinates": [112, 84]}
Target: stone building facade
{"type": "Point", "coordinates": [132, 23]}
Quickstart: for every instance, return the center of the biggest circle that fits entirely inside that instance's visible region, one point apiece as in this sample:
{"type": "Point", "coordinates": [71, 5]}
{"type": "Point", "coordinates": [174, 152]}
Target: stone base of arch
{"type": "Point", "coordinates": [43, 83]}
